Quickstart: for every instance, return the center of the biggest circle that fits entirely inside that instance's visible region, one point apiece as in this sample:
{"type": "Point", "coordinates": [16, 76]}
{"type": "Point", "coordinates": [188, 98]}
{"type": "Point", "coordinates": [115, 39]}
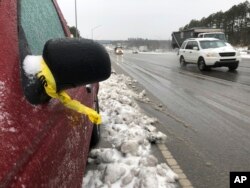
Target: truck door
{"type": "Point", "coordinates": [188, 51]}
{"type": "Point", "coordinates": [194, 53]}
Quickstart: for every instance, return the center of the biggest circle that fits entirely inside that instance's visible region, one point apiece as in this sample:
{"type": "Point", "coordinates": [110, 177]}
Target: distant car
{"type": "Point", "coordinates": [135, 51]}
{"type": "Point", "coordinates": [118, 50]}
{"type": "Point", "coordinates": [208, 52]}
{"type": "Point", "coordinates": [42, 143]}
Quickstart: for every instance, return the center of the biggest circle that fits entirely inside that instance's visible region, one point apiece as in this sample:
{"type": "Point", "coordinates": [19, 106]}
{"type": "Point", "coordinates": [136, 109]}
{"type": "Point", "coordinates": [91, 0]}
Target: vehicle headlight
{"type": "Point", "coordinates": [211, 54]}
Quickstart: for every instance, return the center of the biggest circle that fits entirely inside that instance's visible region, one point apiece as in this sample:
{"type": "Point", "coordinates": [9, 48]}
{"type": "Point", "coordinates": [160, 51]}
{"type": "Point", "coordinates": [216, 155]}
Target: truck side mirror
{"type": "Point", "coordinates": [195, 48]}
{"type": "Point", "coordinates": [72, 62]}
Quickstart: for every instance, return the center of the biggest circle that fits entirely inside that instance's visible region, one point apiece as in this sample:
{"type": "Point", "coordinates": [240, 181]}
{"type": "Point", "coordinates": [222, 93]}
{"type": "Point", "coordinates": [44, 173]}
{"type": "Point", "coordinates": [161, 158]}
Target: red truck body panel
{"type": "Point", "coordinates": [44, 145]}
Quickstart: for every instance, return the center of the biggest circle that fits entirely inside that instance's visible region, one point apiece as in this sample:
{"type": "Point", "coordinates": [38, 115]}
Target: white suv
{"type": "Point", "coordinates": [208, 52]}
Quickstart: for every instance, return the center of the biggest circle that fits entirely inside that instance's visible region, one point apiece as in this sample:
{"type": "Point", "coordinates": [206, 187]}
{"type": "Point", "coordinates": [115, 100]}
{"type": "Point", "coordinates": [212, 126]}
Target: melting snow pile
{"type": "Point", "coordinates": [32, 65]}
{"type": "Point", "coordinates": [130, 162]}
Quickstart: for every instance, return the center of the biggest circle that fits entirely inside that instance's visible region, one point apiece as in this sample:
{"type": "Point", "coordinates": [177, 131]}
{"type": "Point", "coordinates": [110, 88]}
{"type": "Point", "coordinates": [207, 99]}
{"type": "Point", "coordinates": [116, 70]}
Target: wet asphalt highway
{"type": "Point", "coordinates": [207, 116]}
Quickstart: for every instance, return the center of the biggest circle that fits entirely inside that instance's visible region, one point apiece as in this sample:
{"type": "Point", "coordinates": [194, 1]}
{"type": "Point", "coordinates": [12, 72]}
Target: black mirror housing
{"type": "Point", "coordinates": [74, 62]}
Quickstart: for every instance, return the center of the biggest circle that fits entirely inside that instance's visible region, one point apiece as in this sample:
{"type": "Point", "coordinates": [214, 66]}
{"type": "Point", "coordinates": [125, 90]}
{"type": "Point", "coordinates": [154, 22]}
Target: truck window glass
{"type": "Point", "coordinates": [195, 44]}
{"type": "Point", "coordinates": [40, 22]}
{"type": "Point", "coordinates": [183, 45]}
{"type": "Point", "coordinates": [220, 36]}
{"type": "Point", "coordinates": [189, 45]}
{"type": "Point", "coordinates": [212, 44]}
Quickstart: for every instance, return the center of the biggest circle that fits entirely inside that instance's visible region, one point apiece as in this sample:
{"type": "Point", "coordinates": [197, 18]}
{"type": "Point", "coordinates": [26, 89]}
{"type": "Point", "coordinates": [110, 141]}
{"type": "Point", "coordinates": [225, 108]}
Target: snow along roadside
{"type": "Point", "coordinates": [130, 162]}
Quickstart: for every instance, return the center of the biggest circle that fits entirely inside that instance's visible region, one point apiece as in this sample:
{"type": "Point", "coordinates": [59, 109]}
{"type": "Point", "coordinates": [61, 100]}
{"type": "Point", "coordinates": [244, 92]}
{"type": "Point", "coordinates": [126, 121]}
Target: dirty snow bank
{"type": "Point", "coordinates": [244, 52]}
{"type": "Point", "coordinates": [245, 55]}
{"type": "Point", "coordinates": [130, 162]}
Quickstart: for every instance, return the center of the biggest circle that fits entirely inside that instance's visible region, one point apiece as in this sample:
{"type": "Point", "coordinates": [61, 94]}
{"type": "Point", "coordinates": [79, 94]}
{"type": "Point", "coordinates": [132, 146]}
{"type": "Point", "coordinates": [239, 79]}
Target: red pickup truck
{"type": "Point", "coordinates": [42, 143]}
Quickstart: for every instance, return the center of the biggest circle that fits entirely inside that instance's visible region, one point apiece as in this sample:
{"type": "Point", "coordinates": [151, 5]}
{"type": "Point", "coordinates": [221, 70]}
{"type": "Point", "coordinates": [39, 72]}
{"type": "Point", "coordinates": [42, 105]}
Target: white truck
{"type": "Point", "coordinates": [217, 35]}
{"type": "Point", "coordinates": [180, 36]}
{"type": "Point", "coordinates": [208, 53]}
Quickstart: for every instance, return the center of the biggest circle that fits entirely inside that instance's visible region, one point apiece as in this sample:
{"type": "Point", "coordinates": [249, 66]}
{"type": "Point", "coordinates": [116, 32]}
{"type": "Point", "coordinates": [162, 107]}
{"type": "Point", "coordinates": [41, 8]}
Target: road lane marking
{"type": "Point", "coordinates": [173, 164]}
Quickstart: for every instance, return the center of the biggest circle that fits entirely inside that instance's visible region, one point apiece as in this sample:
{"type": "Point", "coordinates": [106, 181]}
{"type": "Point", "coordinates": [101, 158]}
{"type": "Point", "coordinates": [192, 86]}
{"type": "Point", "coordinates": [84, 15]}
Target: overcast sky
{"type": "Point", "coordinates": [152, 19]}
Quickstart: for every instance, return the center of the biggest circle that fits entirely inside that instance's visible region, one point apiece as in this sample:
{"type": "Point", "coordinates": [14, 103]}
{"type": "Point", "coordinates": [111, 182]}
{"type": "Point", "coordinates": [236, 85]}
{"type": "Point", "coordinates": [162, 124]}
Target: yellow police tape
{"type": "Point", "coordinates": [50, 88]}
